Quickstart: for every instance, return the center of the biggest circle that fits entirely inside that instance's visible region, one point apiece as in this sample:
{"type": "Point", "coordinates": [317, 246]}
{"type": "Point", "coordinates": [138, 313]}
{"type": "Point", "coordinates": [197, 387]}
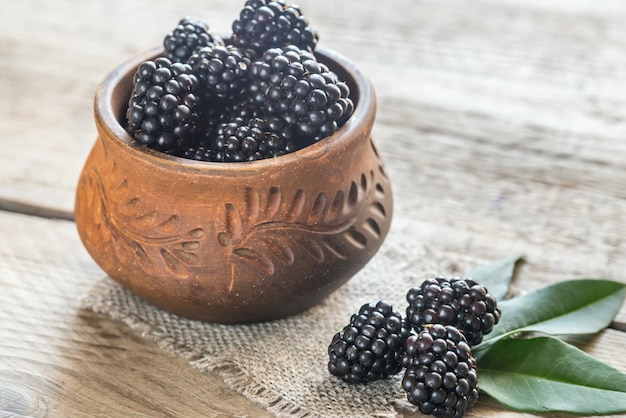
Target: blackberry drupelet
{"type": "Point", "coordinates": [223, 71]}
{"type": "Point", "coordinates": [291, 84]}
{"type": "Point", "coordinates": [461, 302]}
{"type": "Point", "coordinates": [187, 37]}
{"type": "Point", "coordinates": [163, 109]}
{"type": "Point", "coordinates": [370, 347]}
{"type": "Point", "coordinates": [247, 140]}
{"type": "Point", "coordinates": [440, 376]}
{"type": "Point", "coordinates": [265, 24]}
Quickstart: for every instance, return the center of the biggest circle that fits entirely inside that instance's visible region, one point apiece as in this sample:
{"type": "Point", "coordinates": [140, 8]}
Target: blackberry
{"type": "Point", "coordinates": [370, 347]}
{"type": "Point", "coordinates": [440, 376]}
{"type": "Point", "coordinates": [198, 153]}
{"type": "Point", "coordinates": [223, 71]}
{"type": "Point", "coordinates": [247, 140]}
{"type": "Point", "coordinates": [461, 302]}
{"type": "Point", "coordinates": [247, 110]}
{"type": "Point", "coordinates": [186, 38]}
{"type": "Point", "coordinates": [164, 107]}
{"type": "Point", "coordinates": [264, 24]}
{"type": "Point", "coordinates": [244, 108]}
{"type": "Point", "coordinates": [291, 84]}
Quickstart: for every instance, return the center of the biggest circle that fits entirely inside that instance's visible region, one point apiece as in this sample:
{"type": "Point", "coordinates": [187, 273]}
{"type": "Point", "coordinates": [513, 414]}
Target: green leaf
{"type": "Point", "coordinates": [583, 306]}
{"type": "Point", "coordinates": [496, 277]}
{"type": "Point", "coordinates": [545, 374]}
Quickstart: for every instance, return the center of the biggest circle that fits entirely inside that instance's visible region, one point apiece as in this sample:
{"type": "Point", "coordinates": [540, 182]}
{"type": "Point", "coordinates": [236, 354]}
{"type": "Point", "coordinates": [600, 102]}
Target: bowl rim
{"type": "Point", "coordinates": [359, 124]}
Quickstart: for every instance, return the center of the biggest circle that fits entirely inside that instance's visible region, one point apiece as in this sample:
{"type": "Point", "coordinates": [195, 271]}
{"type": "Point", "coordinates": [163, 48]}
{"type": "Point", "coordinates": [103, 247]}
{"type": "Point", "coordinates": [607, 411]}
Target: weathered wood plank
{"type": "Point", "coordinates": [517, 198]}
{"type": "Point", "coordinates": [547, 66]}
{"type": "Point", "coordinates": [59, 361]}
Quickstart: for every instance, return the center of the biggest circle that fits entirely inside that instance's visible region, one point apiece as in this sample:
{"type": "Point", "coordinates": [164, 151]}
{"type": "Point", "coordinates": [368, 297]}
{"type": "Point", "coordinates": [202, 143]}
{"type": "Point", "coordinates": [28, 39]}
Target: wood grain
{"type": "Point", "coordinates": [501, 124]}
{"type": "Point", "coordinates": [59, 361]}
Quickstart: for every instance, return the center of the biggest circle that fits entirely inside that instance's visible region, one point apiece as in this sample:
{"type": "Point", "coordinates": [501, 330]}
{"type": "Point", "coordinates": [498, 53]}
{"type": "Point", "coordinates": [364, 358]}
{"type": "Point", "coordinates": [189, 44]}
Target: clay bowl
{"type": "Point", "coordinates": [233, 242]}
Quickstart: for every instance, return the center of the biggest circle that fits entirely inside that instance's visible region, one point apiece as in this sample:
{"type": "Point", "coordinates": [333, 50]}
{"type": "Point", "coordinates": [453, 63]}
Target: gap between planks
{"type": "Point", "coordinates": [26, 208]}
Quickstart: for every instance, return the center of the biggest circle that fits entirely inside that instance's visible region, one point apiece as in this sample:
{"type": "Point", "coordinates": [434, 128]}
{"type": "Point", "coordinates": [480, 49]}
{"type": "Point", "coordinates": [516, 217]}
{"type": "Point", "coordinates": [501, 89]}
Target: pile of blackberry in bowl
{"type": "Point", "coordinates": [234, 178]}
{"type": "Point", "coordinates": [259, 93]}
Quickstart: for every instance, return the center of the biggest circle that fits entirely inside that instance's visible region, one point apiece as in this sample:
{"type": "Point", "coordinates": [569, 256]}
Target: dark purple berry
{"type": "Point", "coordinates": [247, 140]}
{"type": "Point", "coordinates": [163, 109]}
{"type": "Point", "coordinates": [264, 24]}
{"type": "Point", "coordinates": [461, 302]}
{"type": "Point", "coordinates": [187, 37]}
{"type": "Point", "coordinates": [444, 382]}
{"type": "Point", "coordinates": [223, 72]}
{"type": "Point", "coordinates": [289, 83]}
{"type": "Point", "coordinates": [370, 347]}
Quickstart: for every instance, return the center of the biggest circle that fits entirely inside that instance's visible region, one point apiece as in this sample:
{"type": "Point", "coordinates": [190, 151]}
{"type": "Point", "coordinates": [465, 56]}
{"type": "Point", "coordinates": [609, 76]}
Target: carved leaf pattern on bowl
{"type": "Point", "coordinates": [271, 227]}
{"type": "Point", "coordinates": [153, 236]}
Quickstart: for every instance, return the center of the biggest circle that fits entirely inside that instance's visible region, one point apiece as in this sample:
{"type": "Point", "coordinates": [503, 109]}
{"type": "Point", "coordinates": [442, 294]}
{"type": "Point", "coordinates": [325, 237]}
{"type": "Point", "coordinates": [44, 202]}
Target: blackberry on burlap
{"type": "Point", "coordinates": [462, 302]}
{"type": "Point", "coordinates": [370, 347]}
{"type": "Point", "coordinates": [440, 376]}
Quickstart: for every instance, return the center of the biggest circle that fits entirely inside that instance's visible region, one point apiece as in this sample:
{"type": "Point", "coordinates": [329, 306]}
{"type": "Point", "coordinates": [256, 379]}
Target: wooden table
{"type": "Point", "coordinates": [502, 125]}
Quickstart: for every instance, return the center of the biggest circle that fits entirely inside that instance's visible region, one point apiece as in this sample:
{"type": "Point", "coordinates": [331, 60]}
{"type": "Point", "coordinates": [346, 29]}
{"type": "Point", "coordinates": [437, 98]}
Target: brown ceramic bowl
{"type": "Point", "coordinates": [233, 242]}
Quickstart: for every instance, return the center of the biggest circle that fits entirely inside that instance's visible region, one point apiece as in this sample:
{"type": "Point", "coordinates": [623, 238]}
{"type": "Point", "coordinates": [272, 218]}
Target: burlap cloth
{"type": "Point", "coordinates": [282, 365]}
